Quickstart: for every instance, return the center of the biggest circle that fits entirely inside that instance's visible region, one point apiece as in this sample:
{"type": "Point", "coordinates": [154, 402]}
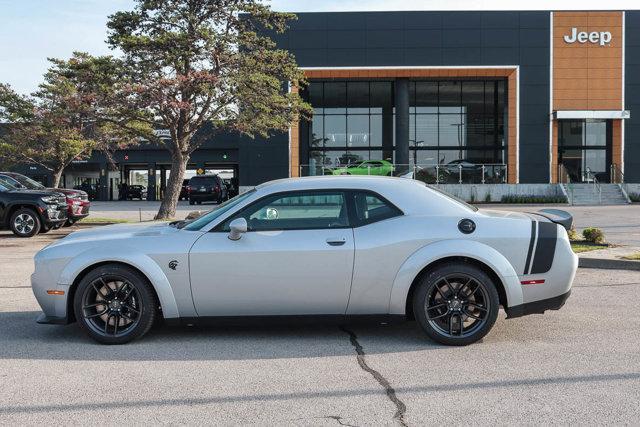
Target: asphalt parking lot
{"type": "Point", "coordinates": [577, 365]}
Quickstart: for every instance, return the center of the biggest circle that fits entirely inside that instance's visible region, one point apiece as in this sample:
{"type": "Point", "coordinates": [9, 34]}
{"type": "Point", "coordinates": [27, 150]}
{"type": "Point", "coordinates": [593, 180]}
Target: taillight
{"type": "Point", "coordinates": [188, 189]}
{"type": "Point", "coordinates": [217, 188]}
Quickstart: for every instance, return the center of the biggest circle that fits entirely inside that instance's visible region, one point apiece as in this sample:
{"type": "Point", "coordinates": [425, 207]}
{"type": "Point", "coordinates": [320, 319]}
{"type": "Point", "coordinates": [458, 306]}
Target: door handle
{"type": "Point", "coordinates": [337, 241]}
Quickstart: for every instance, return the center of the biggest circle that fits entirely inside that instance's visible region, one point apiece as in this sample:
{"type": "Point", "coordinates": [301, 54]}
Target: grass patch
{"type": "Point", "coordinates": [100, 220]}
{"type": "Point", "coordinates": [632, 257]}
{"type": "Point", "coordinates": [579, 246]}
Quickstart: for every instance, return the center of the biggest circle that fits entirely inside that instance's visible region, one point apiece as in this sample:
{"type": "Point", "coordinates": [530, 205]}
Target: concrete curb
{"type": "Point", "coordinates": [608, 264]}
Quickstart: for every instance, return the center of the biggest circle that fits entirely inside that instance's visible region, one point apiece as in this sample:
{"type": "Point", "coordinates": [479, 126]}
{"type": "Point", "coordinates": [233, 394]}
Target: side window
{"type": "Point", "coordinates": [295, 211]}
{"type": "Point", "coordinates": [370, 208]}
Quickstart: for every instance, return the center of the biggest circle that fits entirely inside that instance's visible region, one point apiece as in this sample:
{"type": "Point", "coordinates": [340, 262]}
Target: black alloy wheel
{"type": "Point", "coordinates": [115, 304]}
{"type": "Point", "coordinates": [456, 304]}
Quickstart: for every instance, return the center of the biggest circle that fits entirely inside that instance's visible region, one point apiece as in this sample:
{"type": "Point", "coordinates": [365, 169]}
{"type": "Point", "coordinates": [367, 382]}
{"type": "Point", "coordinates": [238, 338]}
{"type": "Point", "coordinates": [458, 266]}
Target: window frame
{"type": "Point", "coordinates": [219, 228]}
{"type": "Point", "coordinates": [352, 211]}
{"type": "Point", "coordinates": [349, 197]}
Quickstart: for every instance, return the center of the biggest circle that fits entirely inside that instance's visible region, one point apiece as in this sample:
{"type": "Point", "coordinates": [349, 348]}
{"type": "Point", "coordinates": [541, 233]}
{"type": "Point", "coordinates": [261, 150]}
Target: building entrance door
{"type": "Point", "coordinates": [584, 149]}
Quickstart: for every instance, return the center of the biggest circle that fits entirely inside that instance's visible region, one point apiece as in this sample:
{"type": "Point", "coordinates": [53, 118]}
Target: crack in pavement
{"type": "Point", "coordinates": [401, 408]}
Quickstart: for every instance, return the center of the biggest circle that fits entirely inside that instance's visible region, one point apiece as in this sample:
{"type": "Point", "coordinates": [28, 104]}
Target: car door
{"type": "Point", "coordinates": [296, 258]}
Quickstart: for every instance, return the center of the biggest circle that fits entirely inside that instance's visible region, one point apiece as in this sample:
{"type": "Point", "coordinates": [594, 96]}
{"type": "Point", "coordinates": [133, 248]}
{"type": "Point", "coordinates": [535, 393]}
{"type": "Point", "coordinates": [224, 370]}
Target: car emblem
{"type": "Point", "coordinates": [173, 264]}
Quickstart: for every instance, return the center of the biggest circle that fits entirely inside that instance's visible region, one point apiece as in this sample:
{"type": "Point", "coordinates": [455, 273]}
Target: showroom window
{"type": "Point", "coordinates": [454, 121]}
{"type": "Point", "coordinates": [352, 122]}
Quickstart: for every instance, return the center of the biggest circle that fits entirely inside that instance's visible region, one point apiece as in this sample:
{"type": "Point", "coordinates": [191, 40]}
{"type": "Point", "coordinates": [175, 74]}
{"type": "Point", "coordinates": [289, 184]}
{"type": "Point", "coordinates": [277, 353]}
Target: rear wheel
{"type": "Point", "coordinates": [25, 223]}
{"type": "Point", "coordinates": [115, 304]}
{"type": "Point", "coordinates": [456, 304]}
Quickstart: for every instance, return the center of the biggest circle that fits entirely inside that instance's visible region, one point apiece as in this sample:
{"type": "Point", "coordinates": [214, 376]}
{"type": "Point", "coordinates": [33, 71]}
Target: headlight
{"type": "Point", "coordinates": [49, 199]}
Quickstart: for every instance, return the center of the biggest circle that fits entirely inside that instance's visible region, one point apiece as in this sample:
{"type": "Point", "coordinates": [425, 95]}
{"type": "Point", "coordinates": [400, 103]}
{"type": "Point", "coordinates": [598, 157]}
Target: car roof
{"type": "Point", "coordinates": [411, 196]}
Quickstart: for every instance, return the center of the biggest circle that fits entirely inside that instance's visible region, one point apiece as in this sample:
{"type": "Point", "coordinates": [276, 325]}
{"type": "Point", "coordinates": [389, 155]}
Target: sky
{"type": "Point", "coordinates": [32, 30]}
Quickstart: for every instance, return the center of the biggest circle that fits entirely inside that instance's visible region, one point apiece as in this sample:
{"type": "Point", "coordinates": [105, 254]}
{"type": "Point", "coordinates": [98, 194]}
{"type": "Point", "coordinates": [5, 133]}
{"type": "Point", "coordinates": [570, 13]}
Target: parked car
{"type": "Point", "coordinates": [184, 190]}
{"type": "Point", "coordinates": [207, 188]}
{"type": "Point", "coordinates": [29, 212]}
{"type": "Point", "coordinates": [90, 189]}
{"type": "Point", "coordinates": [331, 246]}
{"type": "Point", "coordinates": [232, 187]}
{"type": "Point", "coordinates": [368, 167]}
{"type": "Point", "coordinates": [78, 203]}
{"type": "Point", "coordinates": [136, 192]}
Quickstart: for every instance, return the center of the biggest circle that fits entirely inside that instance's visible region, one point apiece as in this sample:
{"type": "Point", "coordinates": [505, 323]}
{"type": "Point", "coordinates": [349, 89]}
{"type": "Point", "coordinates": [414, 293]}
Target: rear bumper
{"type": "Point", "coordinates": [537, 307]}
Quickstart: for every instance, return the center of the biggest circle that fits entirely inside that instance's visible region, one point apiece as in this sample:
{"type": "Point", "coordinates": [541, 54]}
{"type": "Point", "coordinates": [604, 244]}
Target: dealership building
{"type": "Point", "coordinates": [471, 98]}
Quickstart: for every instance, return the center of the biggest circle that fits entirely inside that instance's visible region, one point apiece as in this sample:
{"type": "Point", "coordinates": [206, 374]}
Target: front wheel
{"type": "Point", "coordinates": [456, 304]}
{"type": "Point", "coordinates": [25, 223]}
{"type": "Point", "coordinates": [115, 304]}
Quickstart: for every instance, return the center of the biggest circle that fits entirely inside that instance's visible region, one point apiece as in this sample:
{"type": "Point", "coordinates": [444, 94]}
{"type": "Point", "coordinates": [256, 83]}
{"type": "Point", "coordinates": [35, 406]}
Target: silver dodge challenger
{"type": "Point", "coordinates": [337, 247]}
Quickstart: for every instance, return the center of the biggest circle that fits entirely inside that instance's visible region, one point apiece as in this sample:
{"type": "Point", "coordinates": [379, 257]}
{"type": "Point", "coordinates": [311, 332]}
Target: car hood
{"type": "Point", "coordinates": [40, 193]}
{"type": "Point", "coordinates": [66, 191]}
{"type": "Point", "coordinates": [119, 231]}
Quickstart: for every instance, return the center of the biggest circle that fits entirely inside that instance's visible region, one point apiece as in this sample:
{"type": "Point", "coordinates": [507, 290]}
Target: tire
{"type": "Point", "coordinates": [45, 229]}
{"type": "Point", "coordinates": [69, 222]}
{"type": "Point", "coordinates": [191, 202]}
{"type": "Point", "coordinates": [25, 222]}
{"type": "Point", "coordinates": [450, 294]}
{"type": "Point", "coordinates": [132, 308]}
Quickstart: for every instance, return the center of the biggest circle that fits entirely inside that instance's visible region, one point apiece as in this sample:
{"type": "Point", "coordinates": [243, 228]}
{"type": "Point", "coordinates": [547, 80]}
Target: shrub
{"type": "Point", "coordinates": [572, 233]}
{"type": "Point", "coordinates": [515, 198]}
{"type": "Point", "coordinates": [593, 235]}
{"type": "Point", "coordinates": [487, 197]}
{"type": "Point", "coordinates": [634, 197]}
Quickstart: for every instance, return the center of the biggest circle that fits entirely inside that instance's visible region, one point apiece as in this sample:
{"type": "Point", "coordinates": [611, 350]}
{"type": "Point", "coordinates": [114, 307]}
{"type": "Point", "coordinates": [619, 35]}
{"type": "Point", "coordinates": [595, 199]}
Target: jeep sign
{"type": "Point", "coordinates": [603, 37]}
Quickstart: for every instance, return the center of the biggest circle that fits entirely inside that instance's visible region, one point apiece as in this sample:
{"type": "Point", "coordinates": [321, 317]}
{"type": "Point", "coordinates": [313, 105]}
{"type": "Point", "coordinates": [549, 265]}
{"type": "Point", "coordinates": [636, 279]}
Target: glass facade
{"type": "Point", "coordinates": [352, 122]}
{"type": "Point", "coordinates": [455, 121]}
{"type": "Point", "coordinates": [452, 124]}
{"type": "Point", "coordinates": [584, 149]}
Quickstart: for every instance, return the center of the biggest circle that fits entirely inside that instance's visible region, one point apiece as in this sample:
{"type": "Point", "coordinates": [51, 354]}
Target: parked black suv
{"type": "Point", "coordinates": [207, 188]}
{"type": "Point", "coordinates": [29, 212]}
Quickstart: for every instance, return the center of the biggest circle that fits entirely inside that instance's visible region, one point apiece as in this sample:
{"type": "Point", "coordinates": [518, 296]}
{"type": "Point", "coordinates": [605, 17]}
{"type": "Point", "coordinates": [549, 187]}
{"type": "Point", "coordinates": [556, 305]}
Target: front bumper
{"type": "Point", "coordinates": [78, 211]}
{"type": "Point", "coordinates": [53, 214]}
{"type": "Point", "coordinates": [537, 307]}
{"type": "Point", "coordinates": [43, 319]}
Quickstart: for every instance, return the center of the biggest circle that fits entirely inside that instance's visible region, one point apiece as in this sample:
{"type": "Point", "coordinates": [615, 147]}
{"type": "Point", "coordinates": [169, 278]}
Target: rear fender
{"type": "Point", "coordinates": [125, 255]}
{"type": "Point", "coordinates": [453, 248]}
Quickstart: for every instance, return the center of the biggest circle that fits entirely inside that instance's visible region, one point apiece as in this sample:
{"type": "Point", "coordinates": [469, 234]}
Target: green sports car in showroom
{"type": "Point", "coordinates": [368, 167]}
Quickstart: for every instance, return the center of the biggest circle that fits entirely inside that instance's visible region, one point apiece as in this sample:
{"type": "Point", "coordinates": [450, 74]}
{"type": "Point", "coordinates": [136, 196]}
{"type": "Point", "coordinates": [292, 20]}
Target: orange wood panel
{"type": "Point", "coordinates": [294, 144]}
{"type": "Point", "coordinates": [616, 143]}
{"type": "Point", "coordinates": [600, 65]}
{"type": "Point", "coordinates": [554, 152]}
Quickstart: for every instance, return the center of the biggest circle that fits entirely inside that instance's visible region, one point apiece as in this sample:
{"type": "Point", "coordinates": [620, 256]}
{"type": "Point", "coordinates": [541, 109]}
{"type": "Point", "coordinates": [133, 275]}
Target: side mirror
{"type": "Point", "coordinates": [237, 228]}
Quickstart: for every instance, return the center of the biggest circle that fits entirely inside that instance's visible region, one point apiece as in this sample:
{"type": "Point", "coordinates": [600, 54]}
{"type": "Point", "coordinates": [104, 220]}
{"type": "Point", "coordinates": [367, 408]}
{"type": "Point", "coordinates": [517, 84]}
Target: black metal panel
{"type": "Point", "coordinates": [632, 97]}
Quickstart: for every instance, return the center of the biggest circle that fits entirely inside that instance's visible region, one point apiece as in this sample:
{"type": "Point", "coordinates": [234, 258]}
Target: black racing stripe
{"type": "Point", "coordinates": [533, 238]}
{"type": "Point", "coordinates": [546, 247]}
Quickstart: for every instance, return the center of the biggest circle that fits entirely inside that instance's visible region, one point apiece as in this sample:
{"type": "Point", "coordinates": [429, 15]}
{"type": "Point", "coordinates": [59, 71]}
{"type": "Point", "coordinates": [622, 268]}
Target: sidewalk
{"type": "Point", "coordinates": [610, 258]}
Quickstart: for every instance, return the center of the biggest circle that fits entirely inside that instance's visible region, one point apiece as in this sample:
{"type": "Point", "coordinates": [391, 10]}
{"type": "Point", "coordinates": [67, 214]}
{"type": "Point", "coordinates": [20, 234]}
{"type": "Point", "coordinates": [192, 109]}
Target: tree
{"type": "Point", "coordinates": [206, 61]}
{"type": "Point", "coordinates": [69, 116]}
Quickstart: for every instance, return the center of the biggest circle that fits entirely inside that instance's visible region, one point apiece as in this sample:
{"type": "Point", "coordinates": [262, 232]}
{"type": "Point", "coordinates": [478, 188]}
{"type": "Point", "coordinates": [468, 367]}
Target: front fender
{"type": "Point", "coordinates": [453, 248]}
{"type": "Point", "coordinates": [125, 255]}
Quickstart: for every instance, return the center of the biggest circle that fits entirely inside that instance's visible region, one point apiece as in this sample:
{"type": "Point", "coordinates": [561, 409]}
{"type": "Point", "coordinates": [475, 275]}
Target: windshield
{"type": "Point", "coordinates": [219, 211]}
{"type": "Point", "coordinates": [28, 182]}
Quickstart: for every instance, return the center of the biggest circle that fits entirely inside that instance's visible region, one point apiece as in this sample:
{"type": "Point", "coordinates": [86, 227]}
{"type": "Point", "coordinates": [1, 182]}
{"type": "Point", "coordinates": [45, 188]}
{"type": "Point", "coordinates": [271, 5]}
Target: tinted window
{"type": "Point", "coordinates": [203, 180]}
{"type": "Point", "coordinates": [295, 211]}
{"type": "Point", "coordinates": [370, 208]}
